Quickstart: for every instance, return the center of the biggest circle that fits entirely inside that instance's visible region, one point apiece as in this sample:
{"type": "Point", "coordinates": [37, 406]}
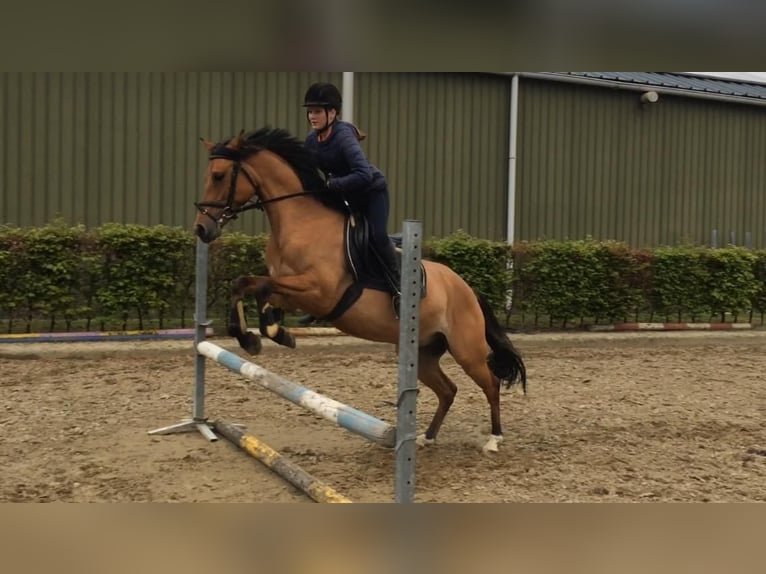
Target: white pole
{"type": "Point", "coordinates": [348, 96]}
{"type": "Point", "coordinates": [513, 136]}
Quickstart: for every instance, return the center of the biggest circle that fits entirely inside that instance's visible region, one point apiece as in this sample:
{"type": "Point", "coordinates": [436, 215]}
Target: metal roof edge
{"type": "Point", "coordinates": [721, 78]}
{"type": "Point", "coordinates": [616, 84]}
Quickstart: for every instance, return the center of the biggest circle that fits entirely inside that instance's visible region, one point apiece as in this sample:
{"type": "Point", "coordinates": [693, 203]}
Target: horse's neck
{"type": "Point", "coordinates": [304, 234]}
{"type": "Point", "coordinates": [296, 217]}
{"type": "Point", "coordinates": [301, 216]}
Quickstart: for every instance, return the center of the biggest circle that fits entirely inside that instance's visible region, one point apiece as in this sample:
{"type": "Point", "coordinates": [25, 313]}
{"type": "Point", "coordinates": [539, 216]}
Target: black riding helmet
{"type": "Point", "coordinates": [323, 95]}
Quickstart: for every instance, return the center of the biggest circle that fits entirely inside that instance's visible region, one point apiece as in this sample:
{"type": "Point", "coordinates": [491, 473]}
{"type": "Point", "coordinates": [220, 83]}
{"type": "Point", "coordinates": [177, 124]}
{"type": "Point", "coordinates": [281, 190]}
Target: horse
{"type": "Point", "coordinates": [309, 270]}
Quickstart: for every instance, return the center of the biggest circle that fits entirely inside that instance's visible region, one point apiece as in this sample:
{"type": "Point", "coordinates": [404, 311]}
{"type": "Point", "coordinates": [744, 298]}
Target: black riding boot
{"type": "Point", "coordinates": [391, 261]}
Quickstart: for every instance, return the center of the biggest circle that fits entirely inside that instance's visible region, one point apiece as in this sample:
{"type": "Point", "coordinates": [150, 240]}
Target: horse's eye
{"type": "Point", "coordinates": [218, 176]}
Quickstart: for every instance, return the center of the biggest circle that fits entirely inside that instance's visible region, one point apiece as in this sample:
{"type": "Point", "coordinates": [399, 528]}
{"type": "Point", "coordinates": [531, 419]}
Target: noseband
{"type": "Point", "coordinates": [228, 210]}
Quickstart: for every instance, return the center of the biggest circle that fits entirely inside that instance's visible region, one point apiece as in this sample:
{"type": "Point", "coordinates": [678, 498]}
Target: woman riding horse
{"type": "Point", "coordinates": [348, 171]}
{"type": "Point", "coordinates": [271, 170]}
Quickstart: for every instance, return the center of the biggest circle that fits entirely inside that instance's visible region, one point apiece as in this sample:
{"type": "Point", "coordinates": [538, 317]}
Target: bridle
{"type": "Point", "coordinates": [228, 211]}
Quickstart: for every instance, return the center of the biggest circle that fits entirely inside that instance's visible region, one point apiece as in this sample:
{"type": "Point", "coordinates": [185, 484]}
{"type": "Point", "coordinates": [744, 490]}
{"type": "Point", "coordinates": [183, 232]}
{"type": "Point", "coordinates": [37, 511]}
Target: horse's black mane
{"type": "Point", "coordinates": [289, 148]}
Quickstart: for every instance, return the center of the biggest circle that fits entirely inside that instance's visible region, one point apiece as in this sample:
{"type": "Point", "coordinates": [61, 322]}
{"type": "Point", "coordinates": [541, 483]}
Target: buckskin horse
{"type": "Point", "coordinates": [310, 268]}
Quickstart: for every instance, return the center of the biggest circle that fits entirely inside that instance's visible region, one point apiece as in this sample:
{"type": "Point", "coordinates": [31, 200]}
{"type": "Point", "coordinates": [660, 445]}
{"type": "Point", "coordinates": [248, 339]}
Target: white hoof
{"type": "Point", "coordinates": [492, 443]}
{"type": "Point", "coordinates": [423, 441]}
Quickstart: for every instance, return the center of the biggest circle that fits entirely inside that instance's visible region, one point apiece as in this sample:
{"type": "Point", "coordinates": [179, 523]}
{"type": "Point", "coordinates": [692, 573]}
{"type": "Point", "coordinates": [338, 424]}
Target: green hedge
{"type": "Point", "coordinates": [568, 281]}
{"type": "Point", "coordinates": [485, 265]}
{"type": "Point", "coordinates": [60, 277]}
{"type": "Point", "coordinates": [560, 283]}
{"type": "Point", "coordinates": [113, 277]}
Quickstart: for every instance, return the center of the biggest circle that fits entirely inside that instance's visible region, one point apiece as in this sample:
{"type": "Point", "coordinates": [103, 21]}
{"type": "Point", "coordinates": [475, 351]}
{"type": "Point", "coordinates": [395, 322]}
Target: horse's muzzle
{"type": "Point", "coordinates": [207, 233]}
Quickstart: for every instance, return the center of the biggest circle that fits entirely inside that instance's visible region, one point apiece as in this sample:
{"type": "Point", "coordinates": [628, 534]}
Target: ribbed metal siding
{"type": "Point", "coordinates": [124, 147]}
{"type": "Point", "coordinates": [594, 161]}
{"type": "Point", "coordinates": [442, 141]}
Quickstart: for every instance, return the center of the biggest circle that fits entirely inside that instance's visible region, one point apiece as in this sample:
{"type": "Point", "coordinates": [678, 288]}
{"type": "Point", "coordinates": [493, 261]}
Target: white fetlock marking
{"type": "Point", "coordinates": [492, 443]}
{"type": "Point", "coordinates": [423, 441]}
{"type": "Point", "coordinates": [272, 330]}
{"type": "Point", "coordinates": [241, 314]}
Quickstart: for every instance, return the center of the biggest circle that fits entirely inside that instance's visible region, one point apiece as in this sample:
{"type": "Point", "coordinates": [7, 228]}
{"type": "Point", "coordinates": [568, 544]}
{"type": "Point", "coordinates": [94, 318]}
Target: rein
{"type": "Point", "coordinates": [230, 212]}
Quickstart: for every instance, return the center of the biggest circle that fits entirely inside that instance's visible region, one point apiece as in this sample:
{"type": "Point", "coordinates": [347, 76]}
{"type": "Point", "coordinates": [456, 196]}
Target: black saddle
{"type": "Point", "coordinates": [366, 266]}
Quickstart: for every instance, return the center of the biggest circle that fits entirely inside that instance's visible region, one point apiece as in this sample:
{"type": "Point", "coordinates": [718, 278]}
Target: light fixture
{"type": "Point", "coordinates": [650, 97]}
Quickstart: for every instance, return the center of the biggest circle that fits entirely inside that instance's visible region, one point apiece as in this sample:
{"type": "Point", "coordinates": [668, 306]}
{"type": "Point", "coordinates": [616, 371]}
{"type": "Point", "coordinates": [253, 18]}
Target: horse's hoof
{"type": "Point", "coordinates": [492, 443]}
{"type": "Point", "coordinates": [284, 338]}
{"type": "Point", "coordinates": [251, 343]}
{"type": "Point", "coordinates": [423, 441]}
{"type": "Point", "coordinates": [289, 340]}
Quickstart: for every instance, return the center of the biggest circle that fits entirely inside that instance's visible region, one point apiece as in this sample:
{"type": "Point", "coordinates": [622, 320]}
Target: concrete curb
{"type": "Point", "coordinates": [188, 334]}
{"type": "Point", "coordinates": [102, 336]}
{"type": "Point", "coordinates": [524, 341]}
{"type": "Point", "coordinates": [316, 332]}
{"type": "Point", "coordinates": [146, 335]}
{"type": "Point", "coordinates": [670, 327]}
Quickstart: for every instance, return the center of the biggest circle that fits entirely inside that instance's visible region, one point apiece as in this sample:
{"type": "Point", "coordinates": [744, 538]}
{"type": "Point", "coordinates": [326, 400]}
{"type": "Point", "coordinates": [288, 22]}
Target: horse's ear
{"type": "Point", "coordinates": [236, 143]}
{"type": "Point", "coordinates": [207, 143]}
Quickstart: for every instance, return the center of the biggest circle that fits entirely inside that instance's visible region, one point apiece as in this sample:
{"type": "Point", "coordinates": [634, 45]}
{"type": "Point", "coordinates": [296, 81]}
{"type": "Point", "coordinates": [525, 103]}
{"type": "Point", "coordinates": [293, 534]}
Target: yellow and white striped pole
{"type": "Point", "coordinates": [285, 468]}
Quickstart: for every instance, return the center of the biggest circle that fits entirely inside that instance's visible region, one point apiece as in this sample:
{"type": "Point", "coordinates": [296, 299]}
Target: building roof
{"type": "Point", "coordinates": [681, 83]}
{"type": "Point", "coordinates": [747, 77]}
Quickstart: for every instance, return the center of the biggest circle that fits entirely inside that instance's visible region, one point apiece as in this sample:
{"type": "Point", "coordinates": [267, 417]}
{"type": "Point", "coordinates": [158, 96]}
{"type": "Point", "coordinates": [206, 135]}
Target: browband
{"type": "Point", "coordinates": [222, 152]}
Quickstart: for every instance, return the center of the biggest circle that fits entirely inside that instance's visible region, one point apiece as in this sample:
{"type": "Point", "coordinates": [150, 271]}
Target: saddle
{"type": "Point", "coordinates": [366, 266]}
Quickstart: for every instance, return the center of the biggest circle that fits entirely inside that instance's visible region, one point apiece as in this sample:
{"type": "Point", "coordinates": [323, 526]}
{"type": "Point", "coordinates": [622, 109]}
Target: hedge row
{"type": "Point", "coordinates": [589, 281]}
{"type": "Point", "coordinates": [129, 276]}
{"type": "Point", "coordinates": [113, 277]}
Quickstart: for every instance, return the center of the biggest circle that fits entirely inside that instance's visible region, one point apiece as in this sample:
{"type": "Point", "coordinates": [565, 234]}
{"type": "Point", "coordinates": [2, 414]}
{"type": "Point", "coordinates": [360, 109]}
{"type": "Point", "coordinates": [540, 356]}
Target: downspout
{"type": "Point", "coordinates": [348, 96]}
{"type": "Point", "coordinates": [513, 129]}
{"type": "Point", "coordinates": [512, 137]}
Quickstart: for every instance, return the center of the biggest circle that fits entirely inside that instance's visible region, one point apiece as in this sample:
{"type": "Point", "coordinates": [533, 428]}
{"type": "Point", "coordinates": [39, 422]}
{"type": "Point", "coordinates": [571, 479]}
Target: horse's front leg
{"type": "Point", "coordinates": [262, 288]}
{"type": "Point", "coordinates": [240, 288]}
{"type": "Point", "coordinates": [267, 319]}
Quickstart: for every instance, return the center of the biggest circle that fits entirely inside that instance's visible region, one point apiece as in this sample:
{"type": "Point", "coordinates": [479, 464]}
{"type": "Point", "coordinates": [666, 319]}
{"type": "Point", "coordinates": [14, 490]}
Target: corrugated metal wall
{"type": "Point", "coordinates": [594, 161]}
{"type": "Point", "coordinates": [100, 147]}
{"type": "Point", "coordinates": [123, 147]}
{"type": "Point", "coordinates": [442, 141]}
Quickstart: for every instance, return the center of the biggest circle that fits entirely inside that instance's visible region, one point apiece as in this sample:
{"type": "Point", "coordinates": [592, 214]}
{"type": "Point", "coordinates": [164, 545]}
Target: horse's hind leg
{"type": "Point", "coordinates": [431, 374]}
{"type": "Point", "coordinates": [471, 355]}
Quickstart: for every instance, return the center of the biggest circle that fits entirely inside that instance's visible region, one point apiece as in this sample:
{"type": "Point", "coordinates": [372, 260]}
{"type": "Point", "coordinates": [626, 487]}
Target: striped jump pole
{"type": "Point", "coordinates": [344, 416]}
{"type": "Point", "coordinates": [288, 470]}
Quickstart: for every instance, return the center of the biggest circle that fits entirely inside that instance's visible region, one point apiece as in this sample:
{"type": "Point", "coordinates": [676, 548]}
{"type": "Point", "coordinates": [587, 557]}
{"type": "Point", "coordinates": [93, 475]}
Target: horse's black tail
{"type": "Point", "coordinates": [504, 360]}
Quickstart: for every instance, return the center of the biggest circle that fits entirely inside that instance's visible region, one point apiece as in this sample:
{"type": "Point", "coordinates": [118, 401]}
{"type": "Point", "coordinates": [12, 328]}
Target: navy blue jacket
{"type": "Point", "coordinates": [342, 160]}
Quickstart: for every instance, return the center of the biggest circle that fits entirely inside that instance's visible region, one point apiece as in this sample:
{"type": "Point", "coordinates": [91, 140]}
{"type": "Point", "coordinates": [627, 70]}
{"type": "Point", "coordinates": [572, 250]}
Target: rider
{"type": "Point", "coordinates": [347, 169]}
